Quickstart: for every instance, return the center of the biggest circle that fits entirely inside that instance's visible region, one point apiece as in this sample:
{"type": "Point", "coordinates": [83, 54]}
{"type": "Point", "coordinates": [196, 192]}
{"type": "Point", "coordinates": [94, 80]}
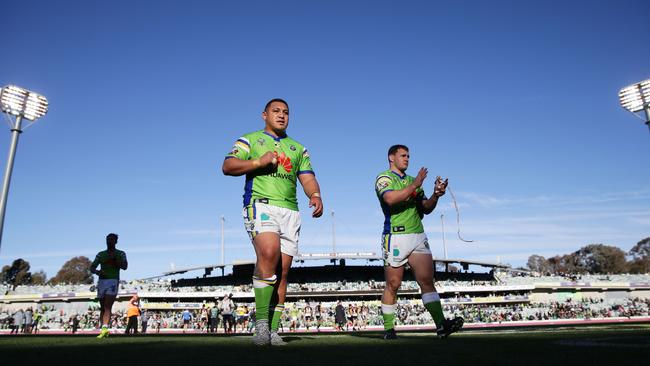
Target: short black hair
{"type": "Point", "coordinates": [393, 149]}
{"type": "Point", "coordinates": [266, 107]}
{"type": "Point", "coordinates": [112, 235]}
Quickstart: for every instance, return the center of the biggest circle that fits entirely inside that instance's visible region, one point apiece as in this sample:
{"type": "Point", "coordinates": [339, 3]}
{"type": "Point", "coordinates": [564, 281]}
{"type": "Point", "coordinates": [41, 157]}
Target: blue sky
{"type": "Point", "coordinates": [515, 102]}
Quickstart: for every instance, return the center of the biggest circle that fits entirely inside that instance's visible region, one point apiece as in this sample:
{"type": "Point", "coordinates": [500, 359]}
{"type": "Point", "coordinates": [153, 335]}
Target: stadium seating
{"type": "Point", "coordinates": [507, 299]}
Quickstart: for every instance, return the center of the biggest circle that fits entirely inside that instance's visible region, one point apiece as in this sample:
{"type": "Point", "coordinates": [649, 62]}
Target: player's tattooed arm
{"type": "Point", "coordinates": [236, 167]}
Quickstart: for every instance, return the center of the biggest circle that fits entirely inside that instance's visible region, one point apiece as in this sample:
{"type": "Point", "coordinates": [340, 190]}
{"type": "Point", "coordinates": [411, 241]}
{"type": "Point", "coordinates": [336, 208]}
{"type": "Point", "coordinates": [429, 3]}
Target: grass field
{"type": "Point", "coordinates": [600, 345]}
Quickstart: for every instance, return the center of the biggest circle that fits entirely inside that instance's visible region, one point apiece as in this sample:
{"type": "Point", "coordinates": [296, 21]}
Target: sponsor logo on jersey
{"type": "Point", "coordinates": [276, 144]}
{"type": "Point", "coordinates": [382, 183]}
{"type": "Point", "coordinates": [292, 148]}
{"type": "Point", "coordinates": [260, 141]}
{"type": "Point", "coordinates": [265, 217]}
{"type": "Point", "coordinates": [282, 175]}
{"type": "Point", "coordinates": [285, 162]}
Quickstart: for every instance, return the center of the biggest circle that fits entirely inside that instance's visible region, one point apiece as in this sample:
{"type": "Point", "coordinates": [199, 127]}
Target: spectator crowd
{"type": "Point", "coordinates": [227, 317]}
{"type": "Point", "coordinates": [230, 314]}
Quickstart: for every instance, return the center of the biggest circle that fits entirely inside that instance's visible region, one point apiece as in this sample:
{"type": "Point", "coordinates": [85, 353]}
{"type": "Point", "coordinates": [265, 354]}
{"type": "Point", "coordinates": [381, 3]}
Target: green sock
{"type": "Point", "coordinates": [263, 288]}
{"type": "Point", "coordinates": [432, 303]}
{"type": "Point", "coordinates": [388, 313]}
{"type": "Point", "coordinates": [277, 314]}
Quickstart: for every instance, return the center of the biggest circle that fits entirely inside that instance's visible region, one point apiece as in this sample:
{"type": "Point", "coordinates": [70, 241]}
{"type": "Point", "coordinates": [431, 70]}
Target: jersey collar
{"type": "Point", "coordinates": [273, 137]}
{"type": "Point", "coordinates": [400, 176]}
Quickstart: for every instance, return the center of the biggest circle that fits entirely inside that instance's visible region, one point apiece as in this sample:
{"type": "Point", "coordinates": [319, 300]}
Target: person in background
{"type": "Point", "coordinates": [227, 309]}
{"type": "Point", "coordinates": [158, 322]}
{"type": "Point", "coordinates": [251, 319]}
{"type": "Point", "coordinates": [74, 323]}
{"type": "Point", "coordinates": [144, 321]}
{"type": "Point", "coordinates": [132, 313]}
{"type": "Point", "coordinates": [111, 261]}
{"type": "Point", "coordinates": [29, 319]}
{"type": "Point", "coordinates": [37, 318]}
{"type": "Point", "coordinates": [214, 319]}
{"type": "Point", "coordinates": [318, 312]}
{"type": "Point", "coordinates": [187, 318]}
{"type": "Point", "coordinates": [339, 316]}
{"type": "Point", "coordinates": [19, 319]}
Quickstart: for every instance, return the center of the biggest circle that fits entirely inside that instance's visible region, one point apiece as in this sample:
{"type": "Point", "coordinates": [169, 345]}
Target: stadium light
{"type": "Point", "coordinates": [19, 103]}
{"type": "Point", "coordinates": [636, 98]}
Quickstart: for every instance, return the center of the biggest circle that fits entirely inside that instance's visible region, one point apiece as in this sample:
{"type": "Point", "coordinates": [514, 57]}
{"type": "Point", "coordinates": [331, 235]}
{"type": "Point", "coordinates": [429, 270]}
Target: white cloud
{"type": "Point", "coordinates": [489, 201]}
{"type": "Point", "coordinates": [641, 220]}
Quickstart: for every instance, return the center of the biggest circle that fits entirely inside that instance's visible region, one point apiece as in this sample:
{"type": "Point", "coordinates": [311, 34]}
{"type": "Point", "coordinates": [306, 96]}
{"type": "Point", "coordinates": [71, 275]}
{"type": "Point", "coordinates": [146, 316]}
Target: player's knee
{"type": "Point", "coordinates": [393, 285]}
{"type": "Point", "coordinates": [268, 254]}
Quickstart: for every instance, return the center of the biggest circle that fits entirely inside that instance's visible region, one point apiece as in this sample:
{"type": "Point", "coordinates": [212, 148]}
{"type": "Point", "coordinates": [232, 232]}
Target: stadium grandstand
{"type": "Point", "coordinates": [485, 294]}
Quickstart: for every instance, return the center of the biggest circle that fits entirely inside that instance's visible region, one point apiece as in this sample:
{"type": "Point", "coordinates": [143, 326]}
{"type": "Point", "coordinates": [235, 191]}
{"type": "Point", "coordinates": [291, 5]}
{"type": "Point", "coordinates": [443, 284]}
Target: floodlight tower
{"type": "Point", "coordinates": [21, 104]}
{"type": "Point", "coordinates": [636, 98]}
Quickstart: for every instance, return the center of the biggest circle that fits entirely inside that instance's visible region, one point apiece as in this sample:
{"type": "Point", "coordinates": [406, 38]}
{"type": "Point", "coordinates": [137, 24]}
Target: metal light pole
{"type": "Point", "coordinates": [636, 98]}
{"type": "Point", "coordinates": [333, 235]}
{"type": "Point", "coordinates": [15, 133]}
{"type": "Point", "coordinates": [223, 257]}
{"type": "Point", "coordinates": [444, 242]}
{"type": "Point", "coordinates": [20, 103]}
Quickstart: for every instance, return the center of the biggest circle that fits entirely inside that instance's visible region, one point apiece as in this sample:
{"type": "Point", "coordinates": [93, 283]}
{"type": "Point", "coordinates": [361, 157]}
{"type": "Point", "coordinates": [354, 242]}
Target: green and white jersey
{"type": "Point", "coordinates": [110, 264]}
{"type": "Point", "coordinates": [278, 187]}
{"type": "Point", "coordinates": [402, 218]}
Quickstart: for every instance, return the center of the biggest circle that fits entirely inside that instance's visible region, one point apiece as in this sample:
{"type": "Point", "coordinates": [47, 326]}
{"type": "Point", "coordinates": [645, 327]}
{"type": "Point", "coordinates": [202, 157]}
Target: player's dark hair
{"type": "Point", "coordinates": [266, 107]}
{"type": "Point", "coordinates": [111, 235]}
{"type": "Point", "coordinates": [393, 149]}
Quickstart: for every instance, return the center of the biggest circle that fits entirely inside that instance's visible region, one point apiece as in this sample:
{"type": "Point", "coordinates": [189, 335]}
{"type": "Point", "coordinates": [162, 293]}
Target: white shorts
{"type": "Point", "coordinates": [398, 247]}
{"type": "Point", "coordinates": [264, 218]}
{"type": "Point", "coordinates": [107, 287]}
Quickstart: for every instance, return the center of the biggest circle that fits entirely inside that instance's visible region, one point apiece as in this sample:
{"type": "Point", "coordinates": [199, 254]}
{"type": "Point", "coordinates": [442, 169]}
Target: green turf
{"type": "Point", "coordinates": [628, 345]}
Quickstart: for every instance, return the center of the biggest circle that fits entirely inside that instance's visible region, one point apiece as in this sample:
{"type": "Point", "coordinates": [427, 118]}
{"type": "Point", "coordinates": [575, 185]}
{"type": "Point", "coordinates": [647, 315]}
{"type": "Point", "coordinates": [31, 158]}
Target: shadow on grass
{"type": "Point", "coordinates": [585, 346]}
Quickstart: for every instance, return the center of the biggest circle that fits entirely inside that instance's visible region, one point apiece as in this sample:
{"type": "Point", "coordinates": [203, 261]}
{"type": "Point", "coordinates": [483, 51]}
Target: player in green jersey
{"type": "Point", "coordinates": [404, 204]}
{"type": "Point", "coordinates": [272, 162]}
{"type": "Point", "coordinates": [111, 261]}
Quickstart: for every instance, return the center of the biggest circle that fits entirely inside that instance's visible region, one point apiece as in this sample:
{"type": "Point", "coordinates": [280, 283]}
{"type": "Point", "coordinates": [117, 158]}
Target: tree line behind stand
{"type": "Point", "coordinates": [595, 259]}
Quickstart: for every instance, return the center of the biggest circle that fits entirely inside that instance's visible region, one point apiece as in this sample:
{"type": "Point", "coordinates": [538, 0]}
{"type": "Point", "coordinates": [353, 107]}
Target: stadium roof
{"type": "Point", "coordinates": [370, 256]}
{"type": "Point", "coordinates": [472, 263]}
